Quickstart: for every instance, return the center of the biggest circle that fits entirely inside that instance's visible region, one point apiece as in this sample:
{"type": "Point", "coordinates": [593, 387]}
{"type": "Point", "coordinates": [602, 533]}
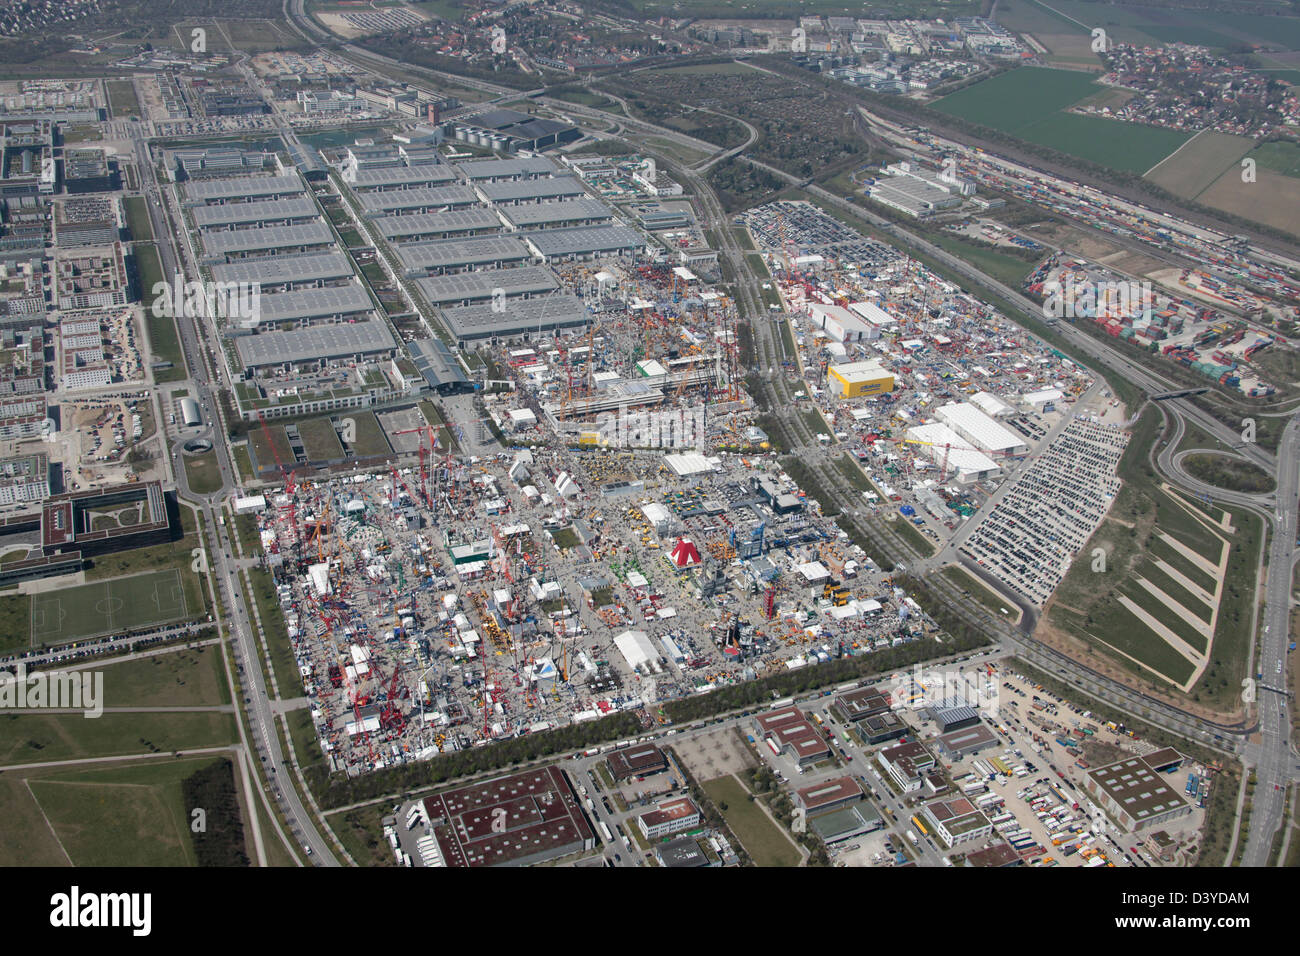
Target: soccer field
{"type": "Point", "coordinates": [108, 607]}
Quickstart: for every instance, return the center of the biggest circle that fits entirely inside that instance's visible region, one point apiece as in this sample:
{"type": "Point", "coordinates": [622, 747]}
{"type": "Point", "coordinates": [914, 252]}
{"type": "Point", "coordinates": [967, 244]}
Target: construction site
{"type": "Point", "coordinates": [636, 544]}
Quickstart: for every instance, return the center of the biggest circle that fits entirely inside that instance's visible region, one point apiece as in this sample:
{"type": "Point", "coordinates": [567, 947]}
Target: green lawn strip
{"type": "Point", "coordinates": [164, 340]}
{"type": "Point", "coordinates": [42, 737]}
{"type": "Point", "coordinates": [1177, 592]}
{"type": "Point", "coordinates": [1158, 610]}
{"type": "Point", "coordinates": [1158, 548]}
{"type": "Point", "coordinates": [242, 462]}
{"type": "Point", "coordinates": [979, 592]}
{"type": "Point", "coordinates": [370, 436]}
{"type": "Point", "coordinates": [282, 661]}
{"type": "Point", "coordinates": [138, 224]}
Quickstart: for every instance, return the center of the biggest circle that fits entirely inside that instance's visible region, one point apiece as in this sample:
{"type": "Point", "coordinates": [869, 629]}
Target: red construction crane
{"type": "Point", "coordinates": [289, 488]}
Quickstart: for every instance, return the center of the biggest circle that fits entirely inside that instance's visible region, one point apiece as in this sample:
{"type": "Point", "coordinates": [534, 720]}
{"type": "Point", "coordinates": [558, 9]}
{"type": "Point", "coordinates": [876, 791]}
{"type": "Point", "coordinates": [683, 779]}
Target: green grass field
{"type": "Point", "coordinates": [203, 472]}
{"type": "Point", "coordinates": [319, 440]}
{"type": "Point", "coordinates": [164, 340]}
{"type": "Point", "coordinates": [107, 607]}
{"type": "Point", "coordinates": [121, 98]}
{"type": "Point", "coordinates": [124, 815]}
{"type": "Point", "coordinates": [183, 678]}
{"type": "Point", "coordinates": [1030, 104]}
{"type": "Point", "coordinates": [763, 840]}
{"type": "Point", "coordinates": [1282, 158]}
{"type": "Point", "coordinates": [1225, 29]}
{"type": "Point", "coordinates": [42, 737]}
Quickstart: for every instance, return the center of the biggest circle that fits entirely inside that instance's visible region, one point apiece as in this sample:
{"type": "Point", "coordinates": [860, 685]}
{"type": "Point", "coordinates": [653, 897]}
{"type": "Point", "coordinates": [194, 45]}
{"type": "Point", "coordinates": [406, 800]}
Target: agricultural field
{"type": "Point", "coordinates": [1069, 43]}
{"type": "Point", "coordinates": [1273, 199]}
{"type": "Point", "coordinates": [1030, 103]}
{"type": "Point", "coordinates": [1017, 99]}
{"type": "Point", "coordinates": [789, 9]}
{"type": "Point", "coordinates": [1203, 159]}
{"type": "Point", "coordinates": [1279, 157]}
{"type": "Point", "coordinates": [1134, 23]}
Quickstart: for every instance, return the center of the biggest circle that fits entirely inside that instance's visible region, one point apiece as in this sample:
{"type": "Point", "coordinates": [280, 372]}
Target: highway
{"type": "Point", "coordinates": [223, 573]}
{"type": "Point", "coordinates": [1270, 752]}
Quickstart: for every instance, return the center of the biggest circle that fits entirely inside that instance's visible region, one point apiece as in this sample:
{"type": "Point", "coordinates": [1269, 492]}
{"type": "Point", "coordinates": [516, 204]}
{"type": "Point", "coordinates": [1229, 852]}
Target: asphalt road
{"type": "Point", "coordinates": [265, 739]}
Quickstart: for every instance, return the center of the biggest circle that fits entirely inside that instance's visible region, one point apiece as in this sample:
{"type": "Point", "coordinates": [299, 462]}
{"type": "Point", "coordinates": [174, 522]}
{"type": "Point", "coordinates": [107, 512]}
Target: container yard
{"type": "Point", "coordinates": [1180, 329]}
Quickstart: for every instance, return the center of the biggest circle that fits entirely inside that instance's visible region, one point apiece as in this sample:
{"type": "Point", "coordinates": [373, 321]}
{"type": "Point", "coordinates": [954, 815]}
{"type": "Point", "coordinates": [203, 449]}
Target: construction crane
{"type": "Point", "coordinates": [289, 489]}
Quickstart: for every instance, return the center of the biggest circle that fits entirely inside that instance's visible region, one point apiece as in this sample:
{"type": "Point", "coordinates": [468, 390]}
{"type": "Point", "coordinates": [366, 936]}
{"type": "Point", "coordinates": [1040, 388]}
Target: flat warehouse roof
{"type": "Point", "coordinates": [570, 210]}
{"type": "Point", "coordinates": [315, 303]}
{"type": "Point", "coordinates": [544, 313]}
{"type": "Point", "coordinates": [277, 269]}
{"type": "Point", "coordinates": [461, 252]}
{"type": "Point", "coordinates": [585, 239]}
{"type": "Point", "coordinates": [266, 237]}
{"type": "Point", "coordinates": [396, 176]}
{"type": "Point", "coordinates": [429, 223]}
{"type": "Point", "coordinates": [460, 286]}
{"type": "Point", "coordinates": [1138, 789]}
{"type": "Point", "coordinates": [500, 168]}
{"type": "Point", "coordinates": [389, 199]}
{"type": "Point", "coordinates": [983, 430]}
{"type": "Point", "coordinates": [940, 440]}
{"type": "Point", "coordinates": [314, 342]}
{"type": "Point", "coordinates": [295, 207]}
{"type": "Point", "coordinates": [532, 189]}
{"type": "Point", "coordinates": [241, 187]}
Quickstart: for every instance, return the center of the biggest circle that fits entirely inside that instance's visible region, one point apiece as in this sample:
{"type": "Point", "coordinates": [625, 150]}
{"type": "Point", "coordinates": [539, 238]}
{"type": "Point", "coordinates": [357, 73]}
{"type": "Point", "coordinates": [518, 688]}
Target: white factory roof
{"type": "Point", "coordinates": [521, 415]}
{"type": "Point", "coordinates": [250, 503]}
{"type": "Point", "coordinates": [990, 404]}
{"type": "Point", "coordinates": [320, 578]}
{"type": "Point", "coordinates": [636, 648]}
{"type": "Point", "coordinates": [688, 464]}
{"type": "Point", "coordinates": [938, 438]}
{"type": "Point", "coordinates": [814, 571]}
{"type": "Point", "coordinates": [656, 513]}
{"type": "Point", "coordinates": [1043, 395]}
{"type": "Point", "coordinates": [979, 430]}
{"type": "Point", "coordinates": [861, 371]}
{"type": "Point", "coordinates": [873, 313]}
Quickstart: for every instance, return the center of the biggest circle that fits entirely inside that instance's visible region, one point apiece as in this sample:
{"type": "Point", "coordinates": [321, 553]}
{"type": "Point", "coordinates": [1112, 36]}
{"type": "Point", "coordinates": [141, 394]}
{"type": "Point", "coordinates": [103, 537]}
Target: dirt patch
{"type": "Point", "coordinates": [715, 754]}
